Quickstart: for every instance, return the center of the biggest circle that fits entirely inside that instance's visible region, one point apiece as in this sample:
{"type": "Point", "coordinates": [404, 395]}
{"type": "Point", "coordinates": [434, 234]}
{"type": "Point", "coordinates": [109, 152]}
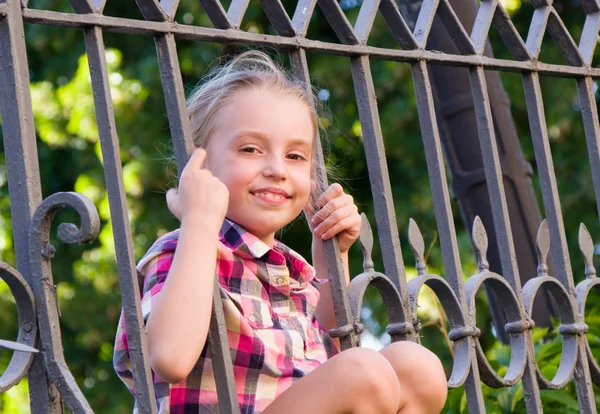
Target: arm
{"type": "Point", "coordinates": [185, 301]}
{"type": "Point", "coordinates": [178, 324]}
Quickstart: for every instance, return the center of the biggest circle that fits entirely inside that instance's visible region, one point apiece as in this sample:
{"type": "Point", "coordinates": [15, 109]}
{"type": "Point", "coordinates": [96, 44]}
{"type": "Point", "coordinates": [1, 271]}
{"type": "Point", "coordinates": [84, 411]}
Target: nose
{"type": "Point", "coordinates": [275, 167]}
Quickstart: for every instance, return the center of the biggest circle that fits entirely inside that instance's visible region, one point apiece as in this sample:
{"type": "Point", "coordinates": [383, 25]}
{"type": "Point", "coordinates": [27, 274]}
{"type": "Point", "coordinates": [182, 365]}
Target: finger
{"type": "Point", "coordinates": [197, 158]}
{"type": "Point", "coordinates": [333, 191]}
{"type": "Point", "coordinates": [330, 207]}
{"type": "Point", "coordinates": [339, 227]}
{"type": "Point", "coordinates": [334, 218]}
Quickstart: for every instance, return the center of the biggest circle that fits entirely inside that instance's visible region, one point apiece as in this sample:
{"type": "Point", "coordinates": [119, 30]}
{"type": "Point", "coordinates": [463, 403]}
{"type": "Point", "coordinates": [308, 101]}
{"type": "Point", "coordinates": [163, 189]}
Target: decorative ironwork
{"type": "Point", "coordinates": [32, 216]}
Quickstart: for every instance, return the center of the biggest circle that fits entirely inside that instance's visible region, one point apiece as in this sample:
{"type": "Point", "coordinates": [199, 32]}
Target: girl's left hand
{"type": "Point", "coordinates": [335, 214]}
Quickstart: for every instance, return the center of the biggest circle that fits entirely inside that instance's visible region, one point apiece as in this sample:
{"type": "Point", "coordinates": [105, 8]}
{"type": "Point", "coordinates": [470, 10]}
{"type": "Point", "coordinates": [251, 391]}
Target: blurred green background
{"type": "Point", "coordinates": [69, 156]}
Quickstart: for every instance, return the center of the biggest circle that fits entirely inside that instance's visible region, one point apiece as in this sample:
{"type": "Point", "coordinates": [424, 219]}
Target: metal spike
{"type": "Point", "coordinates": [586, 245]}
{"type": "Point", "coordinates": [16, 346]}
{"type": "Point", "coordinates": [366, 243]}
{"type": "Point", "coordinates": [480, 244]}
{"type": "Point", "coordinates": [543, 247]}
{"type": "Point", "coordinates": [415, 240]}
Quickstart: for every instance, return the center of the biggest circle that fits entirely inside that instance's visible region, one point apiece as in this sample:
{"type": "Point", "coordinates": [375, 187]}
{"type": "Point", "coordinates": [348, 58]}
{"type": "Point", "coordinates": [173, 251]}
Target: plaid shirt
{"type": "Point", "coordinates": [268, 300]}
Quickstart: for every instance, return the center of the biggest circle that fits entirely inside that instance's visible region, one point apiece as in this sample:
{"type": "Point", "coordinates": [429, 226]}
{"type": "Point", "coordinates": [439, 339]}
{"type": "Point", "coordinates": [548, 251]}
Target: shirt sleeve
{"type": "Point", "coordinates": [155, 273]}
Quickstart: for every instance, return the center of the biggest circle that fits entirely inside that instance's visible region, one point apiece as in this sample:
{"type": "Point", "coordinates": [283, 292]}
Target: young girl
{"type": "Point", "coordinates": [254, 130]}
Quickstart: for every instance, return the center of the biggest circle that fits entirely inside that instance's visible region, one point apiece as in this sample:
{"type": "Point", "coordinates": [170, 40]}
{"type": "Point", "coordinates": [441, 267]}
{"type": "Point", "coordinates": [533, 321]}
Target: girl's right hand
{"type": "Point", "coordinates": [201, 196]}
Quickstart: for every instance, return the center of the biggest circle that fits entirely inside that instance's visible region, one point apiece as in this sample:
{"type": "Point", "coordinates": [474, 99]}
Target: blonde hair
{"type": "Point", "coordinates": [250, 70]}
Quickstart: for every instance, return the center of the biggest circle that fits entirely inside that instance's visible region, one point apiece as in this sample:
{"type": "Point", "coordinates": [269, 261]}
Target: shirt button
{"type": "Point", "coordinates": [279, 281]}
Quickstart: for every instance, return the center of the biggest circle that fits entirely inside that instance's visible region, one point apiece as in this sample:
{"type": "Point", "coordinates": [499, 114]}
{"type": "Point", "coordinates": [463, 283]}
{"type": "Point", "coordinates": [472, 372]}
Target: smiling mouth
{"type": "Point", "coordinates": [270, 196]}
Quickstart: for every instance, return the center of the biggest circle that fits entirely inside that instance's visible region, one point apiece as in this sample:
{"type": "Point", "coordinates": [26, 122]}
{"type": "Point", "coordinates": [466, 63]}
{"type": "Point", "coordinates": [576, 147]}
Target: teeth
{"type": "Point", "coordinates": [270, 196]}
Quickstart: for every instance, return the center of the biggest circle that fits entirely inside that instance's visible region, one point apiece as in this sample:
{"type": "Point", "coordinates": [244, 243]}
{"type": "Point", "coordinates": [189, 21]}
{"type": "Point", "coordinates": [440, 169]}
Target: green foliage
{"type": "Point", "coordinates": [70, 160]}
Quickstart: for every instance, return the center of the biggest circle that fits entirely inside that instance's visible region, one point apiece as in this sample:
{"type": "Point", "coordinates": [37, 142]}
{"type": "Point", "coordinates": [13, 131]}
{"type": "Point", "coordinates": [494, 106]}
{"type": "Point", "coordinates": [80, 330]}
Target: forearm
{"type": "Point", "coordinates": [324, 312]}
{"type": "Point", "coordinates": [178, 325]}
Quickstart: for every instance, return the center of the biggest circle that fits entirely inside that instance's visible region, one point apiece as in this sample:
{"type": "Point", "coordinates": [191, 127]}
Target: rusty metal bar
{"type": "Point", "coordinates": [181, 136]}
{"type": "Point", "coordinates": [587, 43]}
{"type": "Point", "coordinates": [443, 213]}
{"type": "Point", "coordinates": [217, 14]}
{"type": "Point", "coordinates": [400, 30]}
{"type": "Point", "coordinates": [543, 156]}
{"type": "Point", "coordinates": [444, 216]}
{"type": "Point", "coordinates": [365, 19]}
{"type": "Point", "coordinates": [589, 113]}
{"type": "Point", "coordinates": [131, 26]}
{"type": "Point", "coordinates": [302, 15]}
{"type": "Point", "coordinates": [22, 170]}
{"type": "Point", "coordinates": [338, 21]}
{"type": "Point", "coordinates": [494, 179]}
{"type": "Point", "coordinates": [346, 328]}
{"type": "Point", "coordinates": [115, 188]}
{"type": "Point", "coordinates": [236, 11]}
{"type": "Point", "coordinates": [278, 17]}
{"type": "Point", "coordinates": [379, 176]}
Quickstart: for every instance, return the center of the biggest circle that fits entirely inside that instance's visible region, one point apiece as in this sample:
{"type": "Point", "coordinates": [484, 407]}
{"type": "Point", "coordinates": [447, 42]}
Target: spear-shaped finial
{"type": "Point", "coordinates": [586, 245]}
{"type": "Point", "coordinates": [415, 240]}
{"type": "Point", "coordinates": [480, 244]}
{"type": "Point", "coordinates": [543, 247]}
{"type": "Point", "coordinates": [366, 243]}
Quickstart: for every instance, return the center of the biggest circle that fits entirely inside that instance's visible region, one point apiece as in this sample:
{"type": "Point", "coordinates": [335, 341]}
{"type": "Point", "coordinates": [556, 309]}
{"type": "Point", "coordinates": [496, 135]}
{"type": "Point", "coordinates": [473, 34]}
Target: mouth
{"type": "Point", "coordinates": [273, 196]}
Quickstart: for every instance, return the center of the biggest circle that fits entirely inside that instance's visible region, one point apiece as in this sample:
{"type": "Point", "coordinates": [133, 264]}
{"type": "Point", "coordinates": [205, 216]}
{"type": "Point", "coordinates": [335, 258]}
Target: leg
{"type": "Point", "coordinates": [358, 380]}
{"type": "Point", "coordinates": [421, 376]}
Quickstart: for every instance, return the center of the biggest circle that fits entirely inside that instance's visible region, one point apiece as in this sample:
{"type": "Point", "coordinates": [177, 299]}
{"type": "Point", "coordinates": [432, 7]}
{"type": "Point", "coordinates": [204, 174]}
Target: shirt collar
{"type": "Point", "coordinates": [241, 242]}
{"type": "Point", "coordinates": [246, 245]}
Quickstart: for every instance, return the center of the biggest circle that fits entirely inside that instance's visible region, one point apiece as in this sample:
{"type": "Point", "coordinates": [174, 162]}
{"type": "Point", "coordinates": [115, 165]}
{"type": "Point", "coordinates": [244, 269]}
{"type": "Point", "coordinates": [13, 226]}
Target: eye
{"type": "Point", "coordinates": [249, 150]}
{"type": "Point", "coordinates": [296, 157]}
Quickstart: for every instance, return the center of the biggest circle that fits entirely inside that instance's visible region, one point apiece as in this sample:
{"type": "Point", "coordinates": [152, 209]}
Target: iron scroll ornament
{"type": "Point", "coordinates": [24, 346]}
{"type": "Point", "coordinates": [41, 253]}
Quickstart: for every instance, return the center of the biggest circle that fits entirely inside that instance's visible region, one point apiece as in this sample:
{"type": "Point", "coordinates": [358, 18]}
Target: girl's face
{"type": "Point", "coordinates": [261, 149]}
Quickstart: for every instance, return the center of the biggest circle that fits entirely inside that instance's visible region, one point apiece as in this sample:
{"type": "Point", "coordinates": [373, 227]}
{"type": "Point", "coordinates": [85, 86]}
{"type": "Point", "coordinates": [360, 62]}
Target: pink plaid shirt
{"type": "Point", "coordinates": [269, 299]}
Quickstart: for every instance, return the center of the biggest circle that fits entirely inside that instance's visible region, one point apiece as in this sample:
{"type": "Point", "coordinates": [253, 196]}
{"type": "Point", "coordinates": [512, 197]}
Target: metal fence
{"type": "Point", "coordinates": [49, 378]}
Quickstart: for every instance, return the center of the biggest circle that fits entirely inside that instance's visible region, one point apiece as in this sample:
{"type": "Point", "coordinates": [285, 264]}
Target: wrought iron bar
{"type": "Point", "coordinates": [40, 256]}
{"type": "Point", "coordinates": [443, 212]}
{"type": "Point", "coordinates": [400, 297]}
{"type": "Point", "coordinates": [20, 148]}
{"type": "Point", "coordinates": [379, 176]}
{"type": "Point", "coordinates": [541, 144]}
{"type": "Point", "coordinates": [113, 175]}
{"type": "Point", "coordinates": [508, 258]}
{"type": "Point", "coordinates": [346, 329]}
{"type": "Point", "coordinates": [148, 28]}
{"type": "Point", "coordinates": [181, 137]}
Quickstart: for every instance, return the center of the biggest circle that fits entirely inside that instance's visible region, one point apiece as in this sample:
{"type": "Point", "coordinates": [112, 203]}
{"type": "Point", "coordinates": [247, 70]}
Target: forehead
{"type": "Point", "coordinates": [274, 115]}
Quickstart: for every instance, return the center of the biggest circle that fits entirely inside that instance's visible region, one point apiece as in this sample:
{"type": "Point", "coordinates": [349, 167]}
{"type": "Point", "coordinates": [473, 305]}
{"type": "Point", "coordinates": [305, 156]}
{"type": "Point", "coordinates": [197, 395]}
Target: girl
{"type": "Point", "coordinates": [254, 130]}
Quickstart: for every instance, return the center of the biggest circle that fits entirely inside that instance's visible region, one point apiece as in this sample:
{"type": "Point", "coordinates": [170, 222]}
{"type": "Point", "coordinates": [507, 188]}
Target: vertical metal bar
{"type": "Point", "coordinates": [444, 217]}
{"type": "Point", "coordinates": [170, 74]}
{"type": "Point", "coordinates": [113, 174]}
{"type": "Point", "coordinates": [22, 169]}
{"type": "Point", "coordinates": [381, 188]}
{"type": "Point", "coordinates": [181, 136]}
{"type": "Point", "coordinates": [335, 269]}
{"type": "Point", "coordinates": [589, 113]}
{"type": "Point", "coordinates": [558, 244]}
{"type": "Point", "coordinates": [508, 258]}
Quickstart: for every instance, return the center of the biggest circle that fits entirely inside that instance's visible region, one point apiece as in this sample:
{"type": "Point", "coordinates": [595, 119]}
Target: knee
{"type": "Point", "coordinates": [420, 373]}
{"type": "Point", "coordinates": [373, 385]}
